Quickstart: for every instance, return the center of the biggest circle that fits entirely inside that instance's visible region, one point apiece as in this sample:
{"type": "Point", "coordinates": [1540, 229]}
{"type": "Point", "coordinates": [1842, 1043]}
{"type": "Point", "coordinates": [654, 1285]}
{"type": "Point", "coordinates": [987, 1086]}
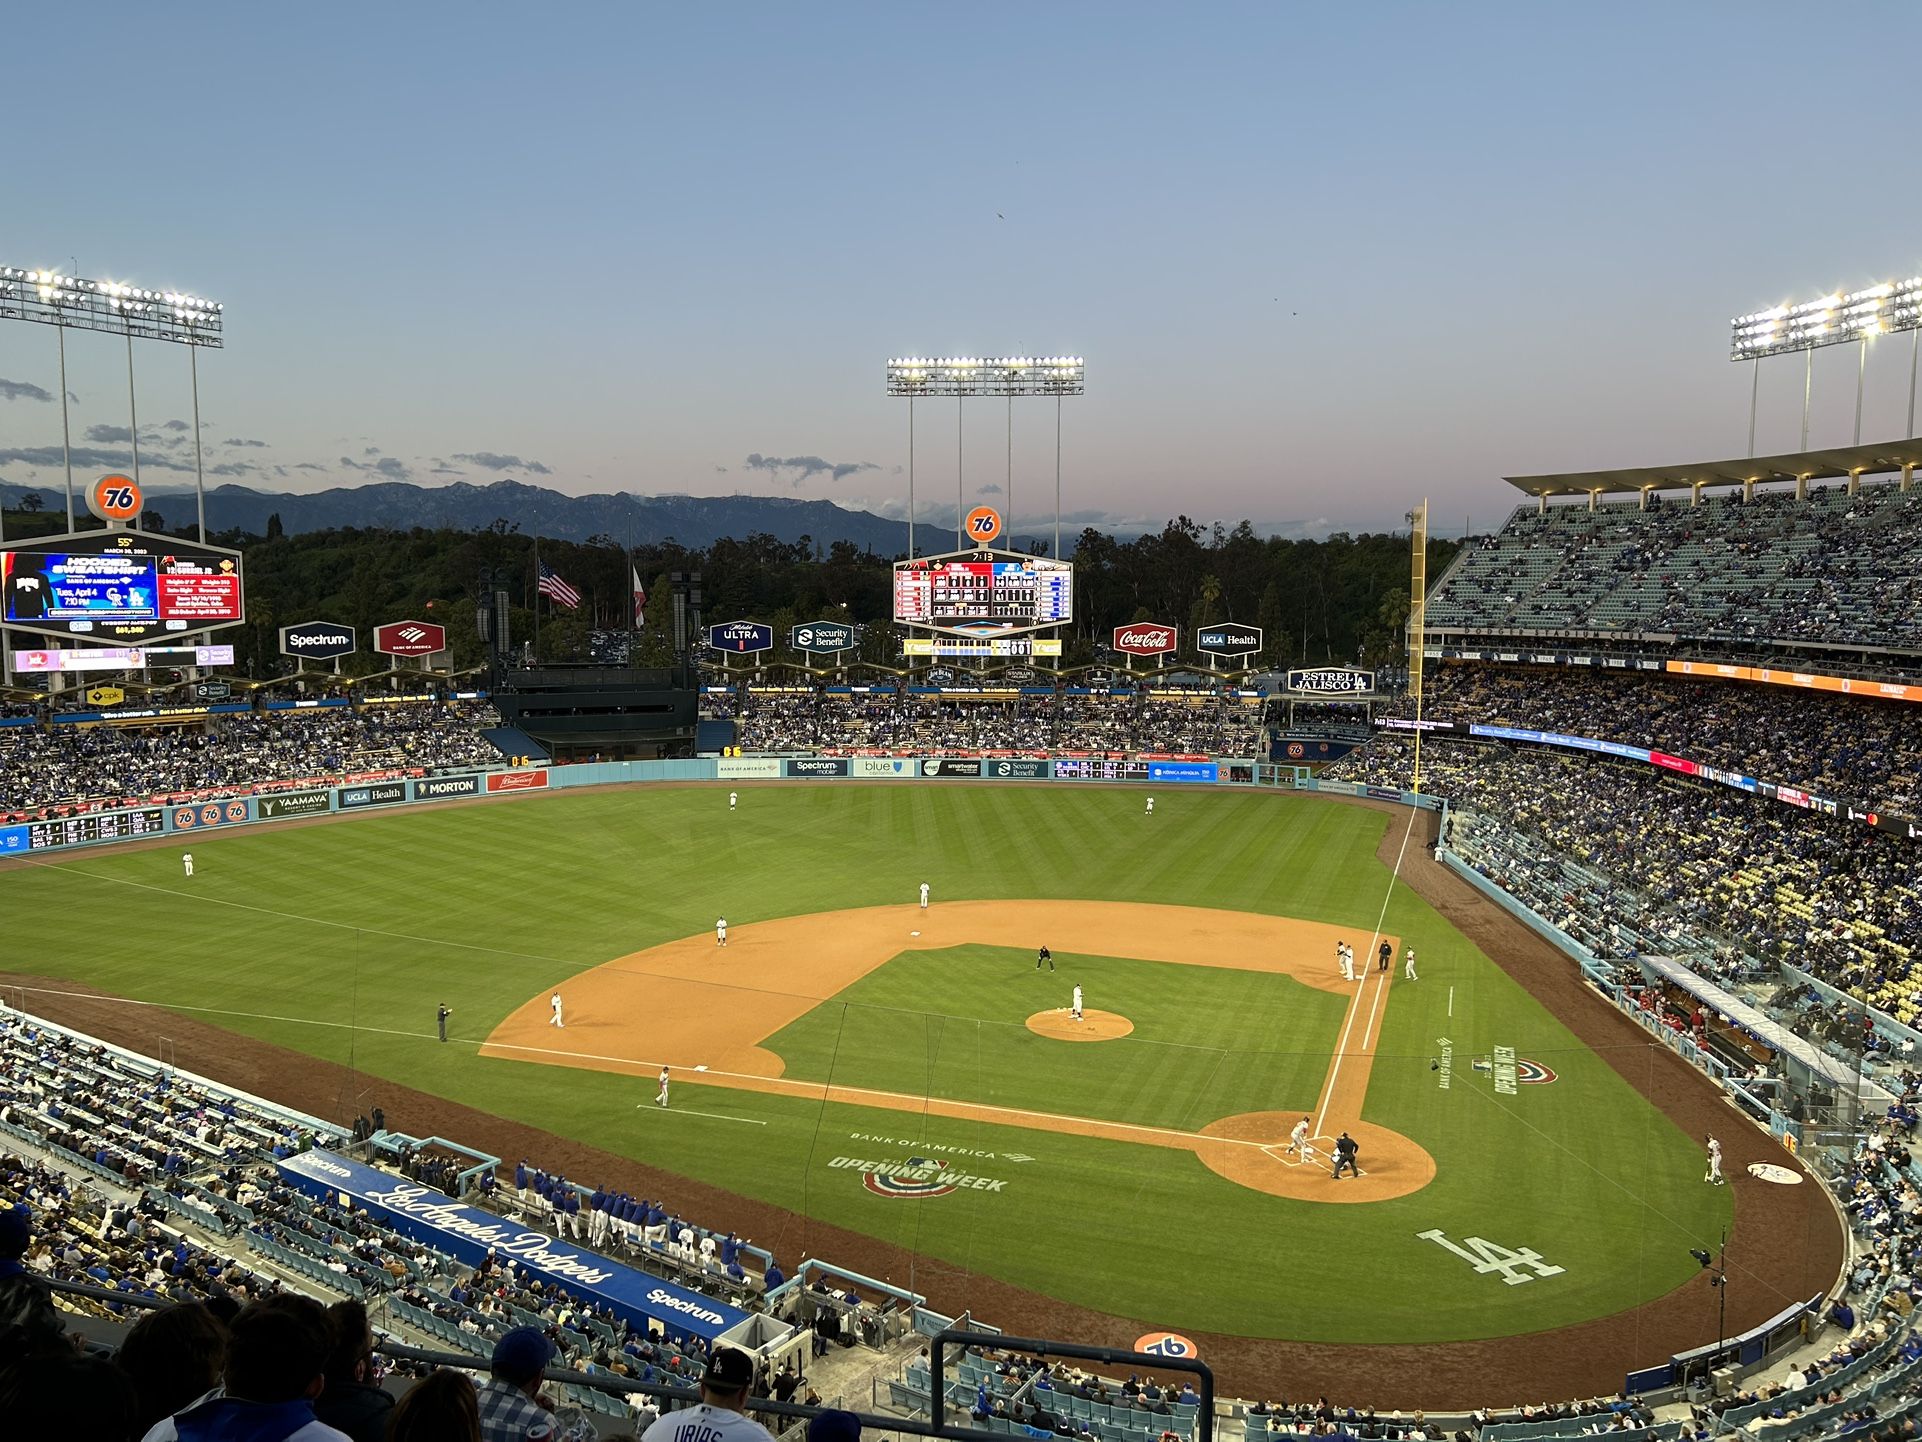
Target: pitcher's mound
{"type": "Point", "coordinates": [1093, 1026]}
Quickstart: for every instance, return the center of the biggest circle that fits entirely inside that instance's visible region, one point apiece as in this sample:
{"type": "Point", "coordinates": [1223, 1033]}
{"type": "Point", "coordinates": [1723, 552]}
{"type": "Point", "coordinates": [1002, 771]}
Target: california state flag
{"type": "Point", "coordinates": [640, 599]}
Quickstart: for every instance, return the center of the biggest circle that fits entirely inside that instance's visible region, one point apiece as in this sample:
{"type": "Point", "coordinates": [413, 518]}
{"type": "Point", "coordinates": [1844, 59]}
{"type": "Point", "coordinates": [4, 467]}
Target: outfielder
{"type": "Point", "coordinates": [555, 1003]}
{"type": "Point", "coordinates": [1077, 1001]}
{"type": "Point", "coordinates": [924, 896]}
{"type": "Point", "coordinates": [720, 931]}
{"type": "Point", "coordinates": [187, 861]}
{"type": "Point", "coordinates": [1715, 1164]}
{"type": "Point", "coordinates": [1408, 965]}
{"type": "Point", "coordinates": [1151, 806]}
{"type": "Point", "coordinates": [660, 1100]}
{"type": "Point", "coordinates": [1298, 1139]}
{"type": "Point", "coordinates": [733, 799]}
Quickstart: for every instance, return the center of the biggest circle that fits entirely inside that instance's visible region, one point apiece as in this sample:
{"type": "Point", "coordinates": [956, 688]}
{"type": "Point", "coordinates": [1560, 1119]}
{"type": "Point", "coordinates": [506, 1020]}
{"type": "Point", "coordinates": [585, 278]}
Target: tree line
{"type": "Point", "coordinates": [1336, 600]}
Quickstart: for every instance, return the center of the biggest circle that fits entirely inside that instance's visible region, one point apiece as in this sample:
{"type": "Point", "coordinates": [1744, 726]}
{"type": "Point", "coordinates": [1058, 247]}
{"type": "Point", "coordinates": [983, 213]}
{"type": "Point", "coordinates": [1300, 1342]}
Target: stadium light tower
{"type": "Point", "coordinates": [926, 378]}
{"type": "Point", "coordinates": [65, 302]}
{"type": "Point", "coordinates": [1833, 319]}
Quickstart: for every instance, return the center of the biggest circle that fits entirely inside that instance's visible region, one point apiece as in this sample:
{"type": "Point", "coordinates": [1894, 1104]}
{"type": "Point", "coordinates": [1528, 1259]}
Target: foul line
{"type": "Point", "coordinates": [833, 1091]}
{"type": "Point", "coordinates": [1334, 1071]}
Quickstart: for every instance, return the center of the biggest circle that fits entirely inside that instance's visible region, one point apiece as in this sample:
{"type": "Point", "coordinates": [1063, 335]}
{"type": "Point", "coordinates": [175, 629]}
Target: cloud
{"type": "Point", "coordinates": [23, 391]}
{"type": "Point", "coordinates": [807, 466]}
{"type": "Point", "coordinates": [89, 457]}
{"type": "Point", "coordinates": [720, 470]}
{"type": "Point", "coordinates": [371, 451]}
{"type": "Point", "coordinates": [149, 435]}
{"type": "Point", "coordinates": [176, 426]}
{"type": "Point", "coordinates": [233, 468]}
{"type": "Point", "coordinates": [309, 466]}
{"type": "Point", "coordinates": [495, 461]}
{"type": "Point", "coordinates": [242, 441]}
{"type": "Point", "coordinates": [392, 467]}
{"type": "Point", "coordinates": [991, 489]}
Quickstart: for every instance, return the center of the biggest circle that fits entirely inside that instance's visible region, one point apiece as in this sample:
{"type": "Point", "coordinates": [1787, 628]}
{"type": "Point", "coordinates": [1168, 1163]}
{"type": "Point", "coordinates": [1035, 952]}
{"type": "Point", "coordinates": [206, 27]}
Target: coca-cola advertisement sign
{"type": "Point", "coordinates": [1145, 638]}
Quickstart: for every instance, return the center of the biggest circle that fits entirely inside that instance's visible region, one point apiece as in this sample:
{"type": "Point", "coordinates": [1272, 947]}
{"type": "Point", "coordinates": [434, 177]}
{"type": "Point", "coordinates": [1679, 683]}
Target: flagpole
{"type": "Point", "coordinates": [537, 600]}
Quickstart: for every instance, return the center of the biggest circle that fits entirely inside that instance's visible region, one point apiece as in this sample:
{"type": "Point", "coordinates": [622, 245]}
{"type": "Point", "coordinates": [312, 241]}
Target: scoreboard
{"type": "Point", "coordinates": [983, 593]}
{"type": "Point", "coordinates": [119, 586]}
{"type": "Point", "coordinates": [1090, 769]}
{"type": "Point", "coordinates": [96, 826]}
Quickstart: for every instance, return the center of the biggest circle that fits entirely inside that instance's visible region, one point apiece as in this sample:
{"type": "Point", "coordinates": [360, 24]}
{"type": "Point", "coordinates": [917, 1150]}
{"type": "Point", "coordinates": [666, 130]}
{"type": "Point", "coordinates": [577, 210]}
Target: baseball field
{"type": "Point", "coordinates": [913, 1077]}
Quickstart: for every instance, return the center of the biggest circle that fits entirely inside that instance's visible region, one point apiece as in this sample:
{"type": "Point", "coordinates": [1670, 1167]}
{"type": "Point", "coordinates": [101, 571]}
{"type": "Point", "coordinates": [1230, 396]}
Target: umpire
{"type": "Point", "coordinates": [1345, 1149]}
{"type": "Point", "coordinates": [445, 1012]}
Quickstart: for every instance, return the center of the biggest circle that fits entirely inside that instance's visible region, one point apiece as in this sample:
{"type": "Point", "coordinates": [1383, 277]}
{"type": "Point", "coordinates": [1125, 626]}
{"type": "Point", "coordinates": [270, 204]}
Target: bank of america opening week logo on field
{"type": "Point", "coordinates": [915, 1178]}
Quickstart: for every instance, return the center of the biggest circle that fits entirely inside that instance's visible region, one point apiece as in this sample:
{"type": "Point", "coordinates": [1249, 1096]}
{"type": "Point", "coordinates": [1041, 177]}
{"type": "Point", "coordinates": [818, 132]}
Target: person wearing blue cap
{"type": "Point", "coordinates": [834, 1425]}
{"type": "Point", "coordinates": [511, 1409]}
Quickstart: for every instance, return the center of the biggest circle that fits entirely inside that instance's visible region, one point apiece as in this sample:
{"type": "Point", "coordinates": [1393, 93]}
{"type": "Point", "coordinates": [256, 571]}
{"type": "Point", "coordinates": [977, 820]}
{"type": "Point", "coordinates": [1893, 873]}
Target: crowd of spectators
{"type": "Point", "coordinates": [1197, 723]}
{"type": "Point", "coordinates": [64, 763]}
{"type": "Point", "coordinates": [1781, 883]}
{"type": "Point", "coordinates": [1833, 569]}
{"type": "Point", "coordinates": [1844, 746]}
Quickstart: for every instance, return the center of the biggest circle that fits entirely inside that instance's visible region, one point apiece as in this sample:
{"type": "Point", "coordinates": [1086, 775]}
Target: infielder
{"type": "Point", "coordinates": [1151, 806]}
{"type": "Point", "coordinates": [660, 1100]}
{"type": "Point", "coordinates": [1408, 965]}
{"type": "Point", "coordinates": [733, 799]}
{"type": "Point", "coordinates": [924, 896]}
{"type": "Point", "coordinates": [720, 932]}
{"type": "Point", "coordinates": [1077, 1001]}
{"type": "Point", "coordinates": [187, 861]}
{"type": "Point", "coordinates": [1298, 1139]}
{"type": "Point", "coordinates": [554, 1002]}
{"type": "Point", "coordinates": [1346, 961]}
{"type": "Point", "coordinates": [1715, 1164]}
{"type": "Point", "coordinates": [1044, 955]}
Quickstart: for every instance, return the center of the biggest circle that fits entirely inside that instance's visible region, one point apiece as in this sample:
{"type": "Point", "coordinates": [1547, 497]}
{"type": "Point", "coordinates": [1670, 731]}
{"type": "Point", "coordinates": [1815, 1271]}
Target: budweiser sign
{"type": "Point", "coordinates": [1145, 638]}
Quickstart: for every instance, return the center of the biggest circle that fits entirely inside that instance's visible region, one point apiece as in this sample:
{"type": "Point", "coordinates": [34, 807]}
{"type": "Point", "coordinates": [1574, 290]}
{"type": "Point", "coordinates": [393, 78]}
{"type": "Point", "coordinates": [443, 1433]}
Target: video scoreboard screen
{"type": "Point", "coordinates": [983, 593]}
{"type": "Point", "coordinates": [122, 586]}
{"type": "Point", "coordinates": [1090, 769]}
{"type": "Point", "coordinates": [97, 826]}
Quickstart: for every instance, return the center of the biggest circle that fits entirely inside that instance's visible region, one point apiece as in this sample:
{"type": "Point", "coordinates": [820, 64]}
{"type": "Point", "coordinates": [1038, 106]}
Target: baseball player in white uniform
{"type": "Point", "coordinates": [924, 896]}
{"type": "Point", "coordinates": [1715, 1164]}
{"type": "Point", "coordinates": [661, 1099]}
{"type": "Point", "coordinates": [1408, 965]}
{"type": "Point", "coordinates": [733, 799]}
{"type": "Point", "coordinates": [1346, 961]}
{"type": "Point", "coordinates": [554, 1002]}
{"type": "Point", "coordinates": [720, 932]}
{"type": "Point", "coordinates": [1077, 1001]}
{"type": "Point", "coordinates": [1298, 1139]}
{"type": "Point", "coordinates": [1151, 806]}
{"type": "Point", "coordinates": [187, 861]}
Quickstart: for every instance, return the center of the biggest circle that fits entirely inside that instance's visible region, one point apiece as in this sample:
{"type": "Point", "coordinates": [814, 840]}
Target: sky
{"type": "Point", "coordinates": [1322, 260]}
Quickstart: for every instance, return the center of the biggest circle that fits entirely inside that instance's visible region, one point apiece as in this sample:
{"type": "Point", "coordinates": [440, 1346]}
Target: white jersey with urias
{"type": "Point", "coordinates": [703, 1423]}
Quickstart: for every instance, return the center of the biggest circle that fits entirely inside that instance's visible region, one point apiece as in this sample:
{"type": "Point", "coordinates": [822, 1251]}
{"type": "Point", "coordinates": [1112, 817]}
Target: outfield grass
{"type": "Point", "coordinates": [338, 940]}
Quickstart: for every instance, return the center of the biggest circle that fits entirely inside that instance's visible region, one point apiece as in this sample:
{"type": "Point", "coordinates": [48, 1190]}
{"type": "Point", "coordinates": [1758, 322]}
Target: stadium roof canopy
{"type": "Point", "coordinates": [1836, 463]}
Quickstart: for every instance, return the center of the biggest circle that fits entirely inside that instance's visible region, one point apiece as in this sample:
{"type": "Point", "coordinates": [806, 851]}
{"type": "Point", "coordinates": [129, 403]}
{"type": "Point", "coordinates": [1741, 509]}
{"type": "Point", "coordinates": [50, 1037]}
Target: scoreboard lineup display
{"type": "Point", "coordinates": [983, 593]}
{"type": "Point", "coordinates": [99, 826]}
{"type": "Point", "coordinates": [1093, 769]}
{"type": "Point", "coordinates": [124, 586]}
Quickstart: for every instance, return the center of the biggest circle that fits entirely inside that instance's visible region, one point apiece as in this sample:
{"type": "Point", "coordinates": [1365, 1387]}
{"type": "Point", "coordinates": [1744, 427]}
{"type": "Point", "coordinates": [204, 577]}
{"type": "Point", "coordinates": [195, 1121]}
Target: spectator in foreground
{"type": "Point", "coordinates": [66, 1394]}
{"type": "Point", "coordinates": [173, 1358]}
{"type": "Point", "coordinates": [834, 1425]}
{"type": "Point", "coordinates": [29, 1325]}
{"type": "Point", "coordinates": [511, 1406]}
{"type": "Point", "coordinates": [720, 1414]}
{"type": "Point", "coordinates": [276, 1367]}
{"type": "Point", "coordinates": [351, 1401]}
{"type": "Point", "coordinates": [443, 1408]}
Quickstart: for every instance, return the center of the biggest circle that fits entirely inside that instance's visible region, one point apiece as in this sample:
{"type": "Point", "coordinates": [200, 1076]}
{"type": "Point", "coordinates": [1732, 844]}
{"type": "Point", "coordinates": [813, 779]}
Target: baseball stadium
{"type": "Point", "coordinates": [1172, 987]}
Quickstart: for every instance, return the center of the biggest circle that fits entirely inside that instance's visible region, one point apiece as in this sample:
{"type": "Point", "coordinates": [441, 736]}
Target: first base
{"type": "Point", "coordinates": [914, 933]}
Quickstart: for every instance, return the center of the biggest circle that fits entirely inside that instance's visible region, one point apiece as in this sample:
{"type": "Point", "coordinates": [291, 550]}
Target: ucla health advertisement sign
{"type": "Point", "coordinates": [470, 1233]}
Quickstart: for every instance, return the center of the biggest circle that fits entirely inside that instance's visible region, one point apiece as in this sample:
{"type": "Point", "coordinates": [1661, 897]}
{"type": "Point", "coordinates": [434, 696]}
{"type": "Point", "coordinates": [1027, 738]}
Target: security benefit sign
{"type": "Point", "coordinates": [822, 637]}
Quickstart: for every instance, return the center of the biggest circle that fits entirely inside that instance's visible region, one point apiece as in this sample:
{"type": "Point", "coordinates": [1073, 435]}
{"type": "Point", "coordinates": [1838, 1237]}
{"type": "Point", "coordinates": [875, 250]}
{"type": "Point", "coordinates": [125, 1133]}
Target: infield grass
{"type": "Point", "coordinates": [339, 940]}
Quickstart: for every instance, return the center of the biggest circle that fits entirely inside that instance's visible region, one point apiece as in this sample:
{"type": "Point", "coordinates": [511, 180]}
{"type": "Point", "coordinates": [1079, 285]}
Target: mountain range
{"type": "Point", "coordinates": [694, 521]}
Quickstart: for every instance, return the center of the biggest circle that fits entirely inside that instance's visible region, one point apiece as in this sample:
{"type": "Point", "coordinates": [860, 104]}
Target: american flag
{"type": "Point", "coordinates": [557, 590]}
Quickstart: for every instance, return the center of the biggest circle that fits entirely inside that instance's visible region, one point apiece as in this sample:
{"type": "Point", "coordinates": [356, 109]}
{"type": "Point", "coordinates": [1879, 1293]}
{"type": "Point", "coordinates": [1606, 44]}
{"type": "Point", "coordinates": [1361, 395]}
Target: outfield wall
{"type": "Point", "coordinates": [285, 801]}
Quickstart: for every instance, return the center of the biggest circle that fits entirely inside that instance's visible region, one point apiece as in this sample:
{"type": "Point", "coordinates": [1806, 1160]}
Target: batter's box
{"type": "Point", "coordinates": [1320, 1152]}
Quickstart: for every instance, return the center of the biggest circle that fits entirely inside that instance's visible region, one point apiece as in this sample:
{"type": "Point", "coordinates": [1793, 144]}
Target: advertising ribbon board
{"type": "Point", "coordinates": [469, 1233]}
{"type": "Point", "coordinates": [440, 788]}
{"type": "Point", "coordinates": [379, 793]}
{"type": "Point", "coordinates": [747, 768]}
{"type": "Point", "coordinates": [294, 803]}
{"type": "Point", "coordinates": [815, 766]}
{"type": "Point", "coordinates": [1183, 771]}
